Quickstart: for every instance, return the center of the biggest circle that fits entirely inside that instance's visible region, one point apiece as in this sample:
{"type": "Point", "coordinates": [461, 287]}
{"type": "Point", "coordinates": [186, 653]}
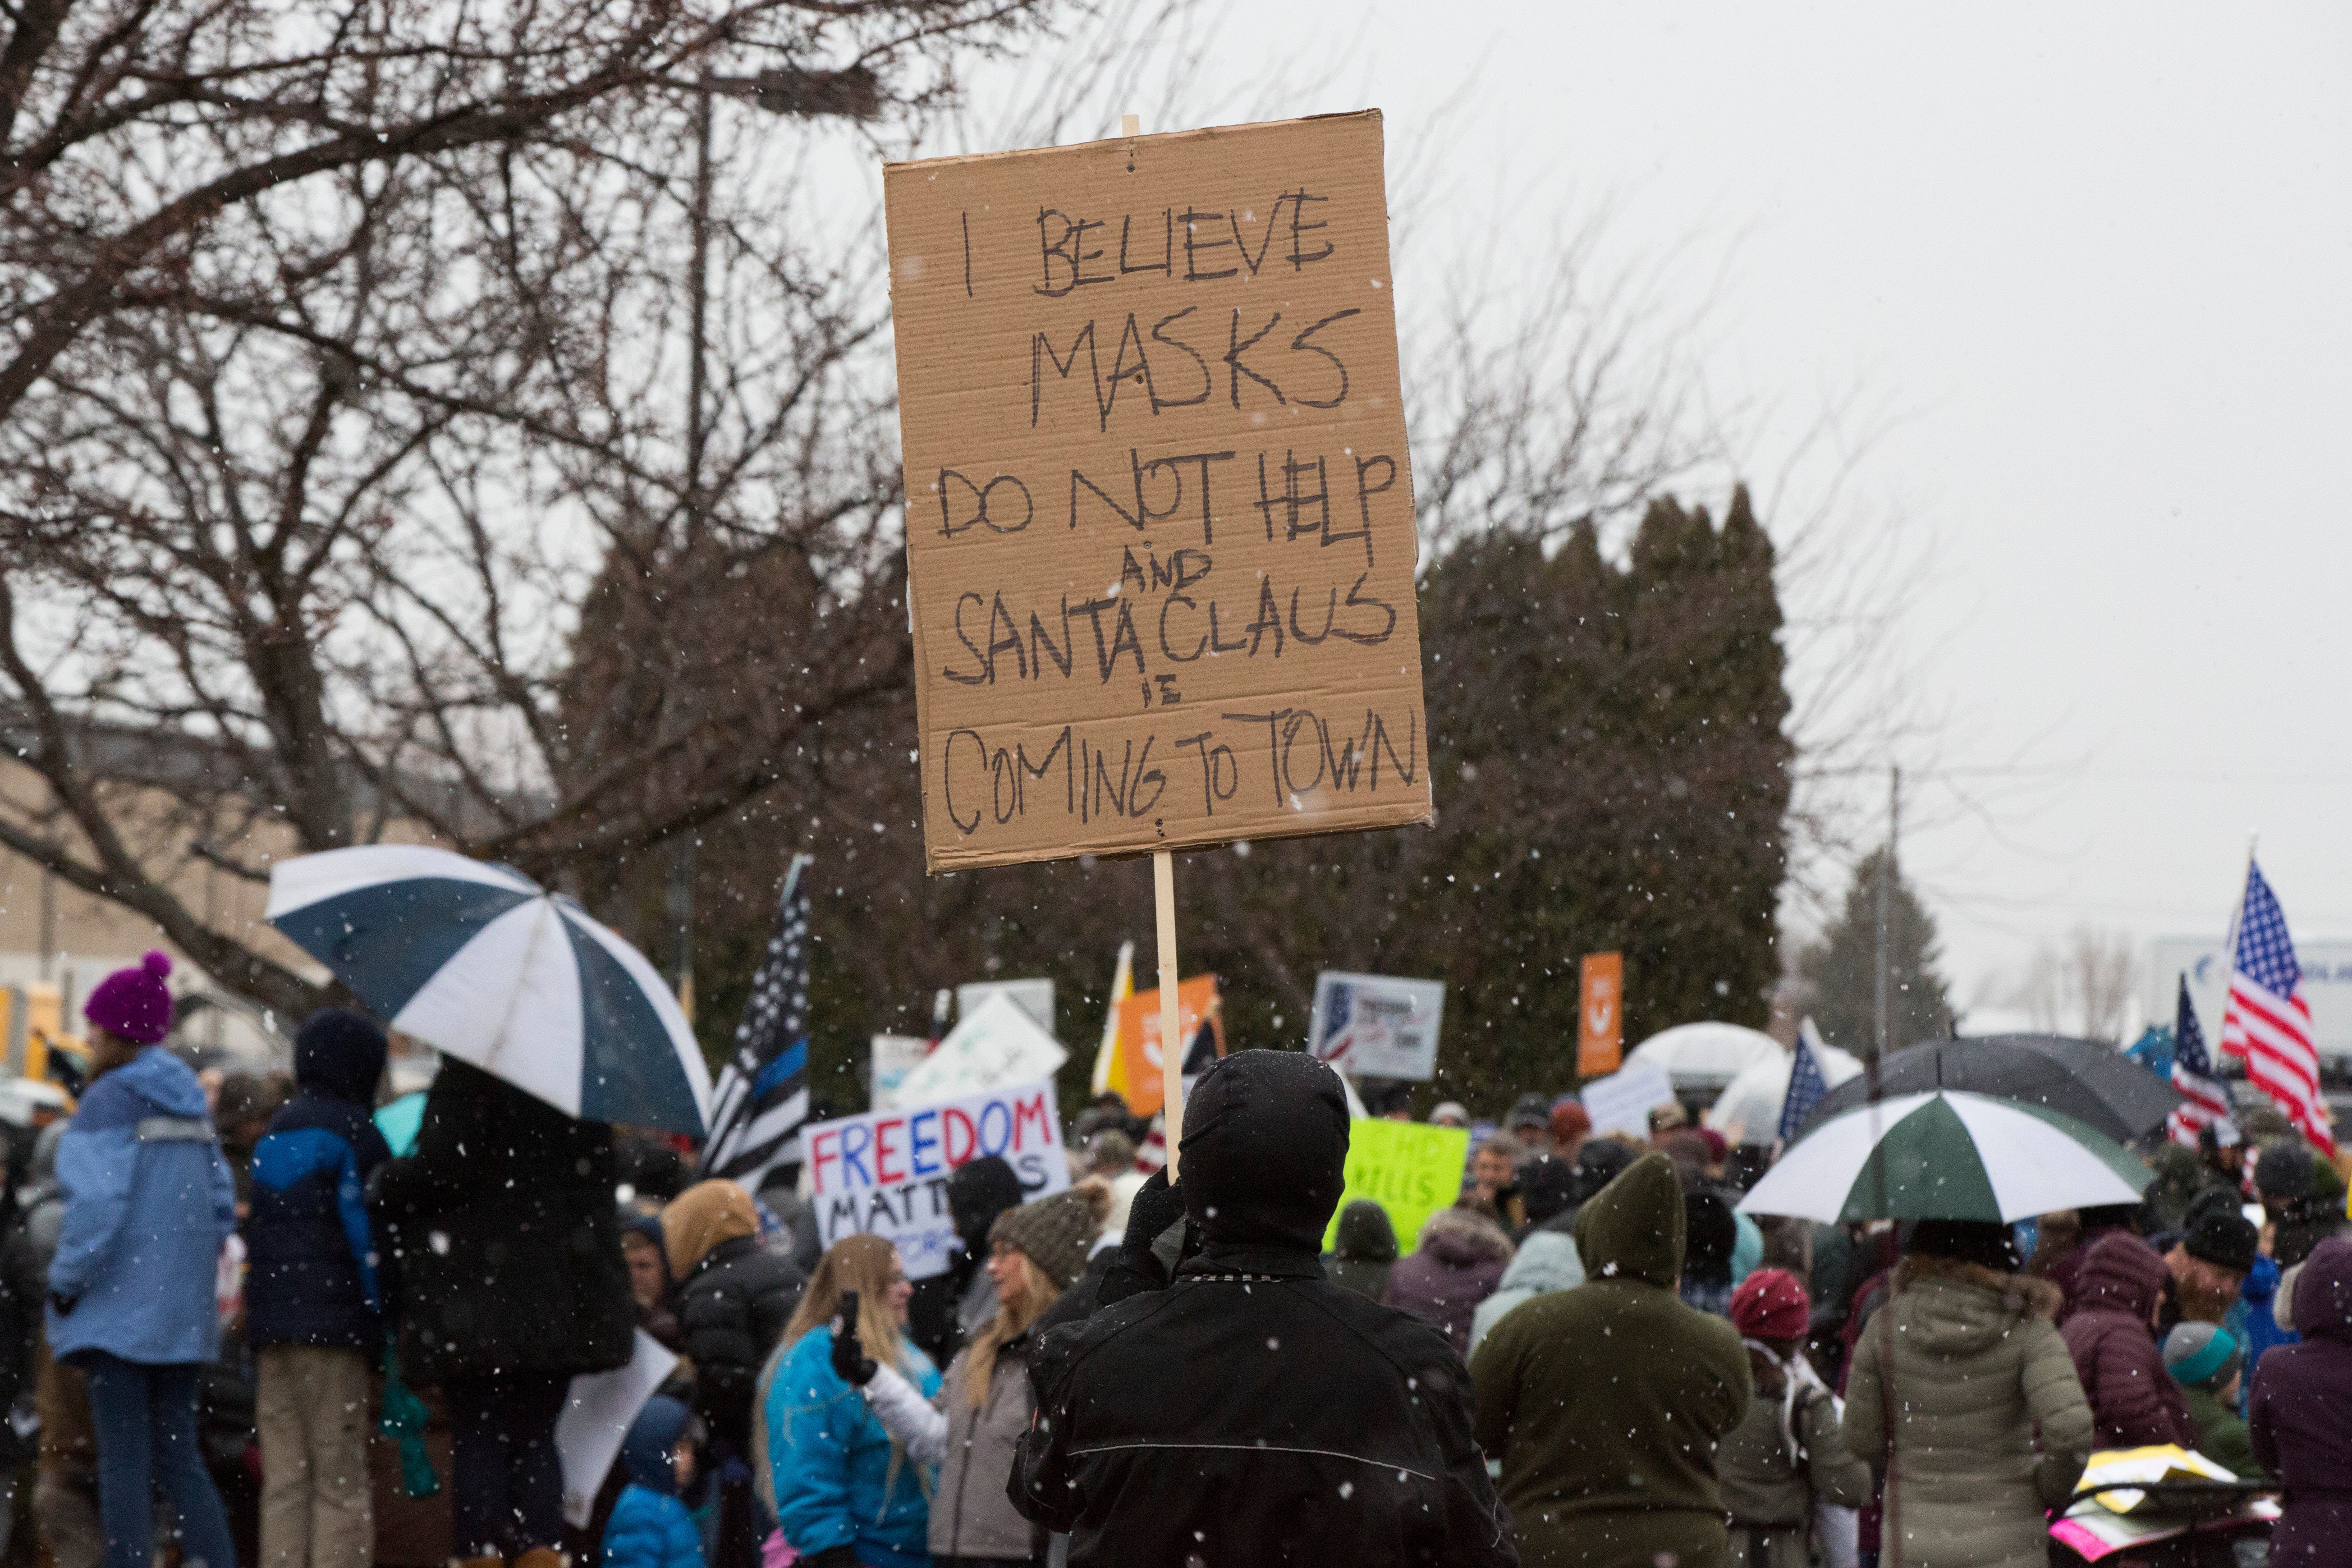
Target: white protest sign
{"type": "Point", "coordinates": [894, 1056]}
{"type": "Point", "coordinates": [597, 1411]}
{"type": "Point", "coordinates": [1377, 1025]}
{"type": "Point", "coordinates": [886, 1172]}
{"type": "Point", "coordinates": [1621, 1103]}
{"type": "Point", "coordinates": [1036, 996]}
{"type": "Point", "coordinates": [996, 1043]}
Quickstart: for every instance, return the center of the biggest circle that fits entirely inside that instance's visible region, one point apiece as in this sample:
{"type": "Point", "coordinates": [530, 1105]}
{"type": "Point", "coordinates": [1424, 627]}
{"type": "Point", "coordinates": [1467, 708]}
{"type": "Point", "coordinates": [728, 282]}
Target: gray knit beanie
{"type": "Point", "coordinates": [1053, 1233]}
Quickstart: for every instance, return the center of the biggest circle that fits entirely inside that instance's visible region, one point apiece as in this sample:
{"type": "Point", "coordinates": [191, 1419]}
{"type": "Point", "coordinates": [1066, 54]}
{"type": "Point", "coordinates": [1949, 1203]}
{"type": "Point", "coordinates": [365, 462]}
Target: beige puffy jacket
{"type": "Point", "coordinates": [1990, 1423]}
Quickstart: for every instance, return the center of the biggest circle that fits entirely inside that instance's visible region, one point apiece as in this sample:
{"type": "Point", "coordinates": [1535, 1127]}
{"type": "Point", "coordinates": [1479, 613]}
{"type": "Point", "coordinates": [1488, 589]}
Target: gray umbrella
{"type": "Point", "coordinates": [2089, 1081]}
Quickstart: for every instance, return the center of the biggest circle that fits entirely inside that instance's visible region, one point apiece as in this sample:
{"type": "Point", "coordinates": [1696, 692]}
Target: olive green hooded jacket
{"type": "Point", "coordinates": [1604, 1403]}
{"type": "Point", "coordinates": [1964, 1369]}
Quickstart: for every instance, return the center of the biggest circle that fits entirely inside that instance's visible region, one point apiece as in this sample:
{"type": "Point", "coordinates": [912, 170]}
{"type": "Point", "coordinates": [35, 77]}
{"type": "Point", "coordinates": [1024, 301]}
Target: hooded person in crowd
{"type": "Point", "coordinates": [649, 1526]}
{"type": "Point", "coordinates": [1248, 1411]}
{"type": "Point", "coordinates": [849, 1495]}
{"type": "Point", "coordinates": [1545, 1261]}
{"type": "Point", "coordinates": [1459, 1262]}
{"type": "Point", "coordinates": [147, 1203]}
{"type": "Point", "coordinates": [1598, 1161]}
{"type": "Point", "coordinates": [735, 1299]}
{"type": "Point", "coordinates": [1363, 1251]}
{"type": "Point", "coordinates": [1785, 1466]}
{"type": "Point", "coordinates": [1964, 1370]}
{"type": "Point", "coordinates": [2296, 1420]}
{"type": "Point", "coordinates": [950, 1307]}
{"type": "Point", "coordinates": [314, 1298]}
{"type": "Point", "coordinates": [2111, 1335]}
{"type": "Point", "coordinates": [972, 1426]}
{"type": "Point", "coordinates": [2207, 1362]}
{"type": "Point", "coordinates": [2092, 1225]}
{"type": "Point", "coordinates": [1604, 1403]}
{"type": "Point", "coordinates": [512, 1284]}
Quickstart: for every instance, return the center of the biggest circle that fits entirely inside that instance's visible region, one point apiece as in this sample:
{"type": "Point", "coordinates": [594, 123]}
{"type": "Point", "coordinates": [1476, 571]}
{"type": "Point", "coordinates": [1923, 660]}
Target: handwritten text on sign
{"type": "Point", "coordinates": [1160, 512]}
{"type": "Point", "coordinates": [886, 1173]}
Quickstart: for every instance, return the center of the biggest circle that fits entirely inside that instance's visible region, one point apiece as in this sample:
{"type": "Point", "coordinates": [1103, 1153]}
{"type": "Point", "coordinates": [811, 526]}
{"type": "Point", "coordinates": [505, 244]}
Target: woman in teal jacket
{"type": "Point", "coordinates": [846, 1495]}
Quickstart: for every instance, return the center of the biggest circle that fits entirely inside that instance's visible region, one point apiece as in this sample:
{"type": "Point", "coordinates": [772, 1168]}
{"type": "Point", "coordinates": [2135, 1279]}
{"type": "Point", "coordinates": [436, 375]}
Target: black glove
{"type": "Point", "coordinates": [833, 1557]}
{"type": "Point", "coordinates": [1158, 1204]}
{"type": "Point", "coordinates": [64, 1304]}
{"type": "Point", "coordinates": [850, 1362]}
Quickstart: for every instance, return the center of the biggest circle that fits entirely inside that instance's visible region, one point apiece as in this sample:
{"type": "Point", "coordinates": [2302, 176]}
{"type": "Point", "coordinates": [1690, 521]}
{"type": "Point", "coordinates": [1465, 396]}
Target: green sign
{"type": "Point", "coordinates": [1409, 1168]}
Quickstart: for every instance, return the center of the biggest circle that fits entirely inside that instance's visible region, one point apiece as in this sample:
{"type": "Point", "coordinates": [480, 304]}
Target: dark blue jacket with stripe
{"type": "Point", "coordinates": [311, 1251]}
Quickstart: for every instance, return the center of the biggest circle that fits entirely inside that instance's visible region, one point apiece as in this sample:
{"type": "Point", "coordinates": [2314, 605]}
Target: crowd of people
{"type": "Point", "coordinates": [215, 1289]}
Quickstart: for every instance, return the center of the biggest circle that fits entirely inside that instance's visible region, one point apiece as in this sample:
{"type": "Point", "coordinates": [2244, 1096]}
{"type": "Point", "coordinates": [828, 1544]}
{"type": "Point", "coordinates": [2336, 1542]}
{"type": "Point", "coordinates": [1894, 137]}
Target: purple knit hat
{"type": "Point", "coordinates": [134, 1003]}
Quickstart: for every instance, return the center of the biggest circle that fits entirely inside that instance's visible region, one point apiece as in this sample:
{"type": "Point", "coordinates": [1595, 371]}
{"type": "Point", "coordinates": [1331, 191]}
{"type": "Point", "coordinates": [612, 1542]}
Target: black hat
{"type": "Point", "coordinates": [1978, 1241]}
{"type": "Point", "coordinates": [2224, 1238]}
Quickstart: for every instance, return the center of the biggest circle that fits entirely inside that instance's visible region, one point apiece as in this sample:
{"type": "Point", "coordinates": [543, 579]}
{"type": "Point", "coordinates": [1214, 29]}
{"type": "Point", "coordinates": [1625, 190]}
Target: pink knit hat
{"type": "Point", "coordinates": [134, 1003]}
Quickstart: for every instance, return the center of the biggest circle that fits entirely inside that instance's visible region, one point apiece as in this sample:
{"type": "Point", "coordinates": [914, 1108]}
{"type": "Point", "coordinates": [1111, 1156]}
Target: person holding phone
{"type": "Point", "coordinates": [847, 1494]}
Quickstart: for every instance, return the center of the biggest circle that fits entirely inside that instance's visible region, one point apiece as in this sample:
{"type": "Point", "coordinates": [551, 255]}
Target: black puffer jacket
{"type": "Point", "coordinates": [508, 1243]}
{"type": "Point", "coordinates": [1253, 1413]}
{"type": "Point", "coordinates": [732, 1311]}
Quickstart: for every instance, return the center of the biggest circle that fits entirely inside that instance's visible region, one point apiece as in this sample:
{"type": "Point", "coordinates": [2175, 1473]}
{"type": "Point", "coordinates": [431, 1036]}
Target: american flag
{"type": "Point", "coordinates": [762, 1094]}
{"type": "Point", "coordinates": [2266, 1020]}
{"type": "Point", "coordinates": [2206, 1098]}
{"type": "Point", "coordinates": [1806, 1085]}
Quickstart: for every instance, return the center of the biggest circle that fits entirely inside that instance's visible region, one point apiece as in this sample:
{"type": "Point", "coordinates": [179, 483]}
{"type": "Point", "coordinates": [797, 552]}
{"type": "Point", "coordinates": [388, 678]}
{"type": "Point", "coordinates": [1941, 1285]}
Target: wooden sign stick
{"type": "Point", "coordinates": [1172, 1044]}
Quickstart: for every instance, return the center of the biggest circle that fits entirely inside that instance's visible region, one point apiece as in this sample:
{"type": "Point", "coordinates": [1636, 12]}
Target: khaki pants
{"type": "Point", "coordinates": [311, 1409]}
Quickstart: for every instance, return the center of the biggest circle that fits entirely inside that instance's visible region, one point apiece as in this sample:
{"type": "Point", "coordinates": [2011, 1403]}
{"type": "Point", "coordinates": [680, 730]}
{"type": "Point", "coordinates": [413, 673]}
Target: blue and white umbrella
{"type": "Point", "coordinates": [483, 964]}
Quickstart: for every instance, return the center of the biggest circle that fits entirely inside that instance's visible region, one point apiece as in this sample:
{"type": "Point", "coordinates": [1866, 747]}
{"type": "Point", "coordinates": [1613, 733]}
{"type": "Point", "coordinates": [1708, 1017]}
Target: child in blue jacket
{"type": "Point", "coordinates": [314, 1304]}
{"type": "Point", "coordinates": [650, 1527]}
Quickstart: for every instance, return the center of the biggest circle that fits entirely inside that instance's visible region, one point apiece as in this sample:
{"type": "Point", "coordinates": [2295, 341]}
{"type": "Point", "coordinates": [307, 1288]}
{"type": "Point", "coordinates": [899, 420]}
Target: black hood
{"type": "Point", "coordinates": [1265, 1150]}
{"type": "Point", "coordinates": [978, 1191]}
{"type": "Point", "coordinates": [339, 1053]}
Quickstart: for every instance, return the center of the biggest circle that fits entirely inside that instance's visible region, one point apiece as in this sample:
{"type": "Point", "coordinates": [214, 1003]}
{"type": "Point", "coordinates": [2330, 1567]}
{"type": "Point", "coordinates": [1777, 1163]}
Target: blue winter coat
{"type": "Point", "coordinates": [148, 1203]}
{"type": "Point", "coordinates": [311, 1251]}
{"type": "Point", "coordinates": [2252, 1319]}
{"type": "Point", "coordinates": [840, 1481]}
{"type": "Point", "coordinates": [649, 1527]}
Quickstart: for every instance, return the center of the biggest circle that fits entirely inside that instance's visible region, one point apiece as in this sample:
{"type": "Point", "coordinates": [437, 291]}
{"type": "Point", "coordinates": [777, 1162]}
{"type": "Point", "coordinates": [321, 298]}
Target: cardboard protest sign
{"type": "Point", "coordinates": [996, 1043]}
{"type": "Point", "coordinates": [1376, 1025]}
{"type": "Point", "coordinates": [1146, 1088]}
{"type": "Point", "coordinates": [886, 1172]}
{"type": "Point", "coordinates": [1409, 1168]}
{"type": "Point", "coordinates": [1160, 525]}
{"type": "Point", "coordinates": [1621, 1103]}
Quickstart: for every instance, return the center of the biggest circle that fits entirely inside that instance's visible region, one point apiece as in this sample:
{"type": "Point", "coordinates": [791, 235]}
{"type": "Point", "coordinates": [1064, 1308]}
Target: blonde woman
{"type": "Point", "coordinates": [847, 1495]}
{"type": "Point", "coordinates": [971, 1426]}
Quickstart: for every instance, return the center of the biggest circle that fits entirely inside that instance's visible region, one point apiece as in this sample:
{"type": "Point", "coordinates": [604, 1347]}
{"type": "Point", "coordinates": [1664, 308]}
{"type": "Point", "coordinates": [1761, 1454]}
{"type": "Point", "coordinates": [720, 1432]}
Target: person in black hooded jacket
{"type": "Point", "coordinates": [1248, 1411]}
{"type": "Point", "coordinates": [511, 1282]}
{"type": "Point", "coordinates": [313, 1300]}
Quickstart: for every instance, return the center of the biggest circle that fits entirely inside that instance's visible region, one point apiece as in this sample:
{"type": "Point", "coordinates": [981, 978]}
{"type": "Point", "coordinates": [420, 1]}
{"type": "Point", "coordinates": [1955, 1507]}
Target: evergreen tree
{"type": "Point", "coordinates": [1842, 969]}
{"type": "Point", "coordinates": [1612, 774]}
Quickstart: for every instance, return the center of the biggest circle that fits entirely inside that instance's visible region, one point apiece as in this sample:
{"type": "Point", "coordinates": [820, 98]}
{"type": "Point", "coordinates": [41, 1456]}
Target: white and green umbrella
{"type": "Point", "coordinates": [1946, 1155]}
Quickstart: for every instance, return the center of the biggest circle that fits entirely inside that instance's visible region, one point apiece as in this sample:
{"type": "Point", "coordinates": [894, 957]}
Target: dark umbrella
{"type": "Point", "coordinates": [2089, 1081]}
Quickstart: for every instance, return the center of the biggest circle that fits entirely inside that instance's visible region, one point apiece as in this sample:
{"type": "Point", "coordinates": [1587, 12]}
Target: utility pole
{"type": "Point", "coordinates": [1886, 1018]}
{"type": "Point", "coordinates": [698, 308]}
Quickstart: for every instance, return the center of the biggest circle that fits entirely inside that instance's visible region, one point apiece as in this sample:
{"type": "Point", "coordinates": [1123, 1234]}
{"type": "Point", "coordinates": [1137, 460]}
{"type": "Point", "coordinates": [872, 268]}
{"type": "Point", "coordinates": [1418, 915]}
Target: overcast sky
{"type": "Point", "coordinates": [2082, 275]}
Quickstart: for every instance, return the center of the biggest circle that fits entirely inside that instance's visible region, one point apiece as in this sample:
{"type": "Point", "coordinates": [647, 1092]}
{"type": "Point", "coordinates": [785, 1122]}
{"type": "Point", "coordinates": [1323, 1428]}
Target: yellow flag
{"type": "Point", "coordinates": [1110, 1069]}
